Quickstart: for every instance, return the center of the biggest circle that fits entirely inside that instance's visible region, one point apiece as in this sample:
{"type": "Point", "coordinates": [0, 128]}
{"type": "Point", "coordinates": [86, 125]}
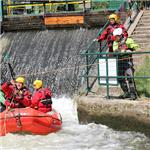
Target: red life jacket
{"type": "Point", "coordinates": [8, 90]}
{"type": "Point", "coordinates": [23, 97]}
{"type": "Point", "coordinates": [41, 100]}
{"type": "Point", "coordinates": [108, 33]}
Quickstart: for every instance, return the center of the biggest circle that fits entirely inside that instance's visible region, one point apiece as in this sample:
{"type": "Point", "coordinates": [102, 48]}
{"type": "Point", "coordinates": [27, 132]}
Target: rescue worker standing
{"type": "Point", "coordinates": [107, 34]}
{"type": "Point", "coordinates": [16, 93]}
{"type": "Point", "coordinates": [41, 99]}
{"type": "Point", "coordinates": [125, 63]}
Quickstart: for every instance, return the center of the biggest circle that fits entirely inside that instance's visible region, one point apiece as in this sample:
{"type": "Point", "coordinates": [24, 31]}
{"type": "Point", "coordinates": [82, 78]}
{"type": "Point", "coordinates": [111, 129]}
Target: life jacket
{"type": "Point", "coordinates": [22, 97]}
{"type": "Point", "coordinates": [108, 33]}
{"type": "Point", "coordinates": [47, 96]}
{"type": "Point", "coordinates": [43, 96]}
{"type": "Point", "coordinates": [128, 44]}
{"type": "Point", "coordinates": [8, 90]}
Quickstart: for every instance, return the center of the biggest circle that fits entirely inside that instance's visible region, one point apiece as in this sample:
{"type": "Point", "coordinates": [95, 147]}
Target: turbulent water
{"type": "Point", "coordinates": [74, 136]}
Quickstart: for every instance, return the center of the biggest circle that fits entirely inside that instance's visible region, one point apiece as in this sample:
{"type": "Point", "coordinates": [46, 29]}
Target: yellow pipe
{"type": "Point", "coordinates": [9, 7]}
{"type": "Point", "coordinates": [48, 4]}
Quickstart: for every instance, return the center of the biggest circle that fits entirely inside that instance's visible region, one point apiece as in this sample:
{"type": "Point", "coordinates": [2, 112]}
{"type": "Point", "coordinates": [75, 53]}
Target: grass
{"type": "Point", "coordinates": [143, 85]}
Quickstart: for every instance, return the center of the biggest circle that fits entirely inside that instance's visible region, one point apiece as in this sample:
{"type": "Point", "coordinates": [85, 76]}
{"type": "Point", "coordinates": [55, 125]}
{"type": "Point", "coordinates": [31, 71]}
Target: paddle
{"type": "Point", "coordinates": [11, 71]}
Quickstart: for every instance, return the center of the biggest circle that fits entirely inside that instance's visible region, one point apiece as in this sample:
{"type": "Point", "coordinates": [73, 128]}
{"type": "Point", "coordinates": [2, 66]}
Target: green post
{"type": "Point", "coordinates": [87, 73]}
{"type": "Point", "coordinates": [107, 78]}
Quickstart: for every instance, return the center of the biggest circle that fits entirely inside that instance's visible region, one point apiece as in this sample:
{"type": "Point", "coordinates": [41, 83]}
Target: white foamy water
{"type": "Point", "coordinates": [74, 136]}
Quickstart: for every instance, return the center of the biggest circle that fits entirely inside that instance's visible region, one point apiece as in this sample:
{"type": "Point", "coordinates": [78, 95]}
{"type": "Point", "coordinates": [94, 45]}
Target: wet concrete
{"type": "Point", "coordinates": [118, 114]}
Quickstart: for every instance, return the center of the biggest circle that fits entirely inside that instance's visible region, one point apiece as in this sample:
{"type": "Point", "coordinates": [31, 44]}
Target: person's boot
{"type": "Point", "coordinates": [133, 93]}
{"type": "Point", "coordinates": [125, 95]}
{"type": "Point", "coordinates": [133, 96]}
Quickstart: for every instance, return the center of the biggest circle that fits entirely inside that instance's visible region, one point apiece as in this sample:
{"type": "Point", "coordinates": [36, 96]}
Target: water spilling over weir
{"type": "Point", "coordinates": [50, 55]}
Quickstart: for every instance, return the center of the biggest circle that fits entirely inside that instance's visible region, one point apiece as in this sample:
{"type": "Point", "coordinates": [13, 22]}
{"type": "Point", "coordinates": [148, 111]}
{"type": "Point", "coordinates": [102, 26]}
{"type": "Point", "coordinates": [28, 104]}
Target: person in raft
{"type": "Point", "coordinates": [125, 64]}
{"type": "Point", "coordinates": [107, 34]}
{"type": "Point", "coordinates": [16, 93]}
{"type": "Point", "coordinates": [41, 98]}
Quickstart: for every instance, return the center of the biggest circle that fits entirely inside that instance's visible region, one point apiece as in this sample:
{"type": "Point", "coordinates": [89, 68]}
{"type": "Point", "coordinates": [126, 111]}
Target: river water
{"type": "Point", "coordinates": [74, 136]}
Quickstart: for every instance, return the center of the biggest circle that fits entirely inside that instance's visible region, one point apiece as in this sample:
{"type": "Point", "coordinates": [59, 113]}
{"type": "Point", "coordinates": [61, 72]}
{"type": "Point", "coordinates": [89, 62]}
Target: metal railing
{"type": "Point", "coordinates": [105, 55]}
{"type": "Point", "coordinates": [39, 8]}
{"type": "Point", "coordinates": [98, 48]}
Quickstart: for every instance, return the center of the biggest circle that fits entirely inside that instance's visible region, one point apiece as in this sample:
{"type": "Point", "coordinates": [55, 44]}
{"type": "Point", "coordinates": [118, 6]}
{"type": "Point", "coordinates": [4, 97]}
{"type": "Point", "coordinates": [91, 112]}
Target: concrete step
{"type": "Point", "coordinates": [144, 24]}
{"type": "Point", "coordinates": [140, 32]}
{"type": "Point", "coordinates": [144, 46]}
{"type": "Point", "coordinates": [145, 17]}
{"type": "Point", "coordinates": [144, 21]}
{"type": "Point", "coordinates": [141, 40]}
{"type": "Point", "coordinates": [143, 35]}
{"type": "Point", "coordinates": [143, 28]}
{"type": "Point", "coordinates": [146, 13]}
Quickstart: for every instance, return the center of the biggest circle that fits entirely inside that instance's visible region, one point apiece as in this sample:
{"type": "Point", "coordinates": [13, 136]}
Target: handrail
{"type": "Point", "coordinates": [116, 53]}
{"type": "Point", "coordinates": [107, 76]}
{"type": "Point", "coordinates": [46, 4]}
{"type": "Point", "coordinates": [51, 4]}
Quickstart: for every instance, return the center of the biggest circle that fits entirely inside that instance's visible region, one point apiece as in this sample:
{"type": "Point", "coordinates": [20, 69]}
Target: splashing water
{"type": "Point", "coordinates": [74, 136]}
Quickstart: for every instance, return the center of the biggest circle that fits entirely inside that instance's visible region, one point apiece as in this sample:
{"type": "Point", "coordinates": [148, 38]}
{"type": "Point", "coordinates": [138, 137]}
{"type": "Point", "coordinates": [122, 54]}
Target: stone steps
{"type": "Point", "coordinates": [144, 46]}
{"type": "Point", "coordinates": [141, 40]}
{"type": "Point", "coordinates": [144, 24]}
{"type": "Point", "coordinates": [136, 32]}
{"type": "Point", "coordinates": [142, 28]}
{"type": "Point", "coordinates": [141, 35]}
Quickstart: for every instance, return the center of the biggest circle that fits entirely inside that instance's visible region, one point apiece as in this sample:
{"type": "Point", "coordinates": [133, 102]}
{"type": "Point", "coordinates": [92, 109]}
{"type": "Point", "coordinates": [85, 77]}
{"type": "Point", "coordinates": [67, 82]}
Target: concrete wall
{"type": "Point", "coordinates": [23, 22]}
{"type": "Point", "coordinates": [118, 114]}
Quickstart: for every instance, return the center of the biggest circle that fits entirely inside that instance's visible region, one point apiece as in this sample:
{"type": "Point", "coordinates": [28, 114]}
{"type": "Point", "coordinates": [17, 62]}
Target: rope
{"type": "Point", "coordinates": [5, 118]}
{"type": "Point", "coordinates": [67, 68]}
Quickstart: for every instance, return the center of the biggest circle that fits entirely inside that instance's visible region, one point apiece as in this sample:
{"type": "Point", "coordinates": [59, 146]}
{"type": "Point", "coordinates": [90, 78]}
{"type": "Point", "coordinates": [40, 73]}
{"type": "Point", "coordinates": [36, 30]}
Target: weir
{"type": "Point", "coordinates": [50, 55]}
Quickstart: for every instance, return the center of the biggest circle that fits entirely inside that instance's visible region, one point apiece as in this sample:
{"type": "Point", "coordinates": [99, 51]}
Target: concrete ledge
{"type": "Point", "coordinates": [119, 114]}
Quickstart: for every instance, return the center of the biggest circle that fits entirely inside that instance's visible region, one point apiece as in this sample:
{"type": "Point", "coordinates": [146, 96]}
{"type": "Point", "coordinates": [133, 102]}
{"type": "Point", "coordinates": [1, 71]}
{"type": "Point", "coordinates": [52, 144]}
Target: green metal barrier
{"type": "Point", "coordinates": [106, 4]}
{"type": "Point", "coordinates": [139, 73]}
{"type": "Point", "coordinates": [97, 49]}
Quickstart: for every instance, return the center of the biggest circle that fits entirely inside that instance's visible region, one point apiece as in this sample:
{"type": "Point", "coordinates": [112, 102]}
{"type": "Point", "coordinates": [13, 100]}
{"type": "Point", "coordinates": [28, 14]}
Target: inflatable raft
{"type": "Point", "coordinates": [28, 120]}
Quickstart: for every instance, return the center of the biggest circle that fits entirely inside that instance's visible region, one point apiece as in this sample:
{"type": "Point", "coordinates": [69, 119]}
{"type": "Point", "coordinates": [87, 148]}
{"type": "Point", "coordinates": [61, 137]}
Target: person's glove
{"type": "Point", "coordinates": [8, 104]}
{"type": "Point", "coordinates": [123, 50]}
{"type": "Point", "coordinates": [95, 40]}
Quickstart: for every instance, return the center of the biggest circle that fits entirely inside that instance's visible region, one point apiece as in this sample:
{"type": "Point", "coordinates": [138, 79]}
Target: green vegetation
{"type": "Point", "coordinates": [143, 85]}
{"type": "Point", "coordinates": [100, 5]}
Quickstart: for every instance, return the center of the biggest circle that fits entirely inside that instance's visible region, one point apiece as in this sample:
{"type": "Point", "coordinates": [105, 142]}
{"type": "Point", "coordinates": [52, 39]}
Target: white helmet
{"type": "Point", "coordinates": [117, 31]}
